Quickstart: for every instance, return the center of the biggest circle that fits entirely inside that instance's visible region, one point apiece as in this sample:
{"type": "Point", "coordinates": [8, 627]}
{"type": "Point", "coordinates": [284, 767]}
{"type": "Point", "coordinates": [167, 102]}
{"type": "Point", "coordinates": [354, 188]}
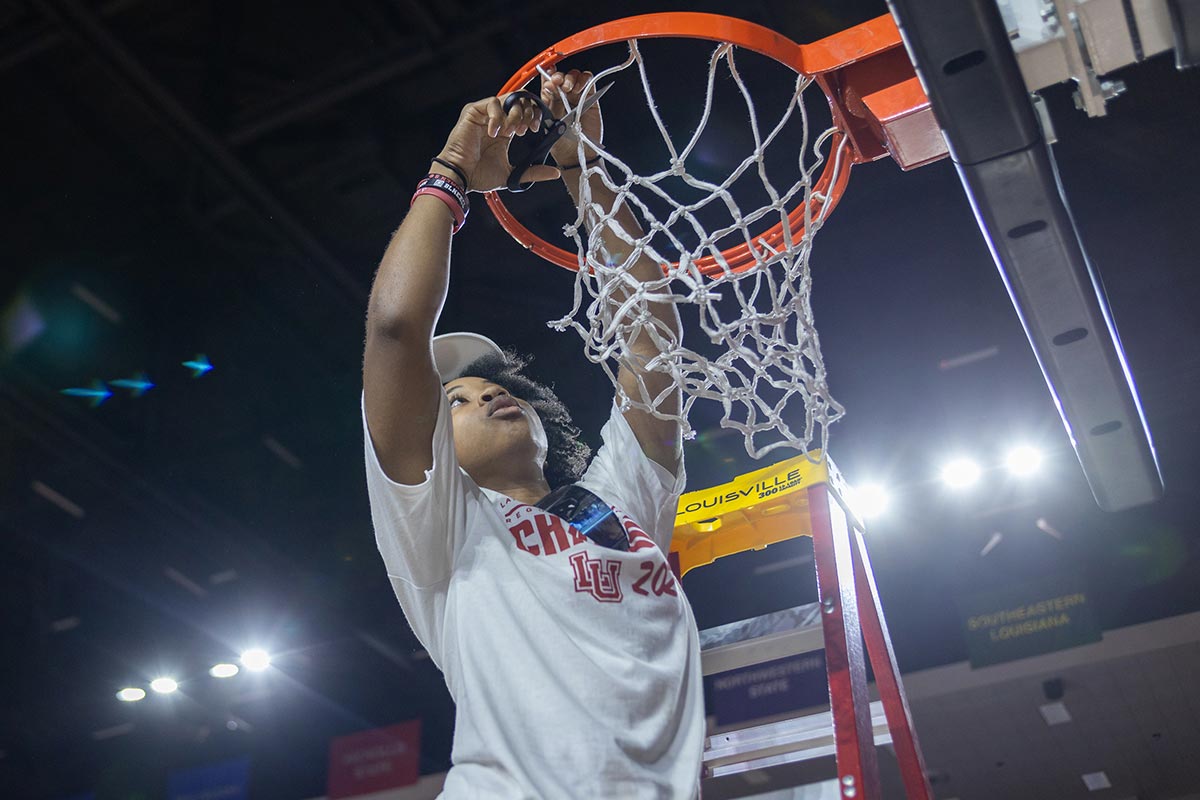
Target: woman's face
{"type": "Point", "coordinates": [491, 425]}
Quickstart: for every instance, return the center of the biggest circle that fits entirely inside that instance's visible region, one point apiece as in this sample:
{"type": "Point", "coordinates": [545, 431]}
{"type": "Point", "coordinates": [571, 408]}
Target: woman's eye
{"type": "Point", "coordinates": [456, 399]}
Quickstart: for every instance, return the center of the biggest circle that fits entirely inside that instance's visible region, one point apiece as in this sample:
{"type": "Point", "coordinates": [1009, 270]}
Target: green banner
{"type": "Point", "coordinates": [1028, 619]}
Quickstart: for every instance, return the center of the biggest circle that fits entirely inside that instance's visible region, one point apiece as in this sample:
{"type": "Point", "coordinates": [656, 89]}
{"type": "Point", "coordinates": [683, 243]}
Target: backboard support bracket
{"type": "Point", "coordinates": [962, 54]}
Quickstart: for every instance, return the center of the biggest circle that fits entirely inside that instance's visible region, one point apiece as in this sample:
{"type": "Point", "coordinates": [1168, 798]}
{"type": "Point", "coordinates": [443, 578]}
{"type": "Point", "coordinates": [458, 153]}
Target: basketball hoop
{"type": "Point", "coordinates": [769, 353]}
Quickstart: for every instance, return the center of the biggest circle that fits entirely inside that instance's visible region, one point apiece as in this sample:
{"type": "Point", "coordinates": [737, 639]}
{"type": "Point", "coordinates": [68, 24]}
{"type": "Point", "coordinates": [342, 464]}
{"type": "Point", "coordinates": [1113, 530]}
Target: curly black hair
{"type": "Point", "coordinates": [566, 455]}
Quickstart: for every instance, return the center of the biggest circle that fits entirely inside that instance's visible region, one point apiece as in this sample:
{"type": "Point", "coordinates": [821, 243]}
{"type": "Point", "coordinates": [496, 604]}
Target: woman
{"type": "Point", "coordinates": [569, 649]}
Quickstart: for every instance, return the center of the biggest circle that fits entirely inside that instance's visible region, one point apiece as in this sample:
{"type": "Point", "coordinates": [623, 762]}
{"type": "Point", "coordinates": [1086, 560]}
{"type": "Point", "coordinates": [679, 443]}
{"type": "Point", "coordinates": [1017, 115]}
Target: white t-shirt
{"type": "Point", "coordinates": [575, 668]}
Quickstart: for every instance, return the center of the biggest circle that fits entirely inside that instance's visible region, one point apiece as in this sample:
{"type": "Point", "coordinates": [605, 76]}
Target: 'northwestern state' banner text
{"type": "Point", "coordinates": [767, 689]}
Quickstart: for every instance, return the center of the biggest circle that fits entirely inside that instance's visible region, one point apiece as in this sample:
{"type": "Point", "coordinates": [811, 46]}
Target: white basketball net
{"type": "Point", "coordinates": [766, 371]}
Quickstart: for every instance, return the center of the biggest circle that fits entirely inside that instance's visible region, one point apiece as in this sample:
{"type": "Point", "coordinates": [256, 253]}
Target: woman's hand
{"type": "Point", "coordinates": [478, 144]}
{"type": "Point", "coordinates": [572, 84]}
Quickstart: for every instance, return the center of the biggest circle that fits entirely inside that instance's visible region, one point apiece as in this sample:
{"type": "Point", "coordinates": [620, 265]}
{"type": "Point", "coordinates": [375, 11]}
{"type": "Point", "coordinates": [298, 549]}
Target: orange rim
{"type": "Point", "coordinates": [716, 28]}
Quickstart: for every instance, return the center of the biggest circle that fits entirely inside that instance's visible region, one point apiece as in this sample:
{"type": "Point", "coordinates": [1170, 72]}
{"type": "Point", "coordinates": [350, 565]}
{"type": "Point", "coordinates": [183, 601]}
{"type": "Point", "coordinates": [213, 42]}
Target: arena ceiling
{"type": "Point", "coordinates": [219, 179]}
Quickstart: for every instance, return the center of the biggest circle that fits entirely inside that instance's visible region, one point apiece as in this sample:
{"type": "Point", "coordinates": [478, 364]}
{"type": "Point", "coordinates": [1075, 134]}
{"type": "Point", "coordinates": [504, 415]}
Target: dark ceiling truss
{"type": "Point", "coordinates": [48, 35]}
{"type": "Point", "coordinates": [369, 74]}
{"type": "Point", "coordinates": [215, 152]}
{"type": "Point", "coordinates": [91, 30]}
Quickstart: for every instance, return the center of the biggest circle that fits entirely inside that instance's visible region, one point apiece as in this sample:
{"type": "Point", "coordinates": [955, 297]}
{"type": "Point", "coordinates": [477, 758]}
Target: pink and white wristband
{"type": "Point", "coordinates": [449, 192]}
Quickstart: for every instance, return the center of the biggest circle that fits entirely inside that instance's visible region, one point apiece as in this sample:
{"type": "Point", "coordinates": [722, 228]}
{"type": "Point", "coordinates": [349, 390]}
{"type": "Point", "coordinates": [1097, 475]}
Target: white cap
{"type": "Point", "coordinates": [453, 352]}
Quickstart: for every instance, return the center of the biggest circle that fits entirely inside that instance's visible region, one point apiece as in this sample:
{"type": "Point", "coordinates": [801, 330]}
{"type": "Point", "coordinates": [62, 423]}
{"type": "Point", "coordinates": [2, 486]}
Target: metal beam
{"type": "Point", "coordinates": [49, 36]}
{"type": "Point", "coordinates": [331, 89]}
{"type": "Point", "coordinates": [82, 23]}
{"type": "Point", "coordinates": [962, 53]}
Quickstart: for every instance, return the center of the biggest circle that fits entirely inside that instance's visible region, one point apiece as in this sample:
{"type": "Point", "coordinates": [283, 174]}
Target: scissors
{"type": "Point", "coordinates": [551, 131]}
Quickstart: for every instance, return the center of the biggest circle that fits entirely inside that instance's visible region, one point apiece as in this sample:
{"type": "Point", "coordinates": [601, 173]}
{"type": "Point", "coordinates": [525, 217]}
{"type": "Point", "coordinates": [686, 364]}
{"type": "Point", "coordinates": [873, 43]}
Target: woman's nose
{"type": "Point", "coordinates": [491, 393]}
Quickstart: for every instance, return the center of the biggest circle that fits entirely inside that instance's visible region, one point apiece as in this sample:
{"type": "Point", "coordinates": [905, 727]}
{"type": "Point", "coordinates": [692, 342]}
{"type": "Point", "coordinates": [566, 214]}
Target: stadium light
{"type": "Point", "coordinates": [1023, 460]}
{"type": "Point", "coordinates": [131, 694]}
{"type": "Point", "coordinates": [960, 473]}
{"type": "Point", "coordinates": [164, 685]}
{"type": "Point", "coordinates": [223, 670]}
{"type": "Point", "coordinates": [256, 659]}
{"type": "Point", "coordinates": [870, 500]}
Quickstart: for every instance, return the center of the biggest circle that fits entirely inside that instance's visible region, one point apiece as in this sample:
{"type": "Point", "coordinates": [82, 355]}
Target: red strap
{"type": "Point", "coordinates": [460, 214]}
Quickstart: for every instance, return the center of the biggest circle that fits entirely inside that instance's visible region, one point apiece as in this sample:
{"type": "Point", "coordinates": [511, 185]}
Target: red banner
{"type": "Point", "coordinates": [374, 760]}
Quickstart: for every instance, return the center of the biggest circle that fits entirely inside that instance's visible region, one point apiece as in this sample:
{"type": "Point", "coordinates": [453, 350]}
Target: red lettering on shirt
{"type": "Point", "coordinates": [638, 540]}
{"type": "Point", "coordinates": [526, 538]}
{"type": "Point", "coordinates": [556, 535]}
{"type": "Point", "coordinates": [656, 578]}
{"type": "Point", "coordinates": [599, 577]}
{"type": "Point", "coordinates": [542, 534]}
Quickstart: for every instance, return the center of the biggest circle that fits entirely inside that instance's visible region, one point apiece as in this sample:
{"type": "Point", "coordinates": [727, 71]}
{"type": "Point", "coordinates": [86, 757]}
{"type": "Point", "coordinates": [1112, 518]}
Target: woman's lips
{"type": "Point", "coordinates": [504, 405]}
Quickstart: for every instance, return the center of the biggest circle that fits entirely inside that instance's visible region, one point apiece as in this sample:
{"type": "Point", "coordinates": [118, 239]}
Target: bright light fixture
{"type": "Point", "coordinates": [131, 694]}
{"type": "Point", "coordinates": [1023, 460]}
{"type": "Point", "coordinates": [164, 685]}
{"type": "Point", "coordinates": [223, 670]}
{"type": "Point", "coordinates": [960, 473]}
{"type": "Point", "coordinates": [871, 500]}
{"type": "Point", "coordinates": [256, 659]}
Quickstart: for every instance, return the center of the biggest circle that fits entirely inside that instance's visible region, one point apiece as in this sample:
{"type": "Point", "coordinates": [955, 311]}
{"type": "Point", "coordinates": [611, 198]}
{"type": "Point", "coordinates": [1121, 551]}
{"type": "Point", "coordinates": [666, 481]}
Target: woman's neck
{"type": "Point", "coordinates": [528, 488]}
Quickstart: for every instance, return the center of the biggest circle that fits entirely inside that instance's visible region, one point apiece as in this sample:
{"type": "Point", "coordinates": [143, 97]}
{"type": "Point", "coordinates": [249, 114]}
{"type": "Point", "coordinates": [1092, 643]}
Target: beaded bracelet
{"type": "Point", "coordinates": [448, 192]}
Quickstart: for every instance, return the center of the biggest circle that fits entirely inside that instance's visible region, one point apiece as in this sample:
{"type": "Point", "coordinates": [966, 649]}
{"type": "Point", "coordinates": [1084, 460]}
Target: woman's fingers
{"type": "Point", "coordinates": [574, 83]}
{"type": "Point", "coordinates": [540, 172]}
{"type": "Point", "coordinates": [570, 84]}
{"type": "Point", "coordinates": [515, 115]}
{"type": "Point", "coordinates": [495, 116]}
{"type": "Point", "coordinates": [524, 115]}
{"type": "Point", "coordinates": [550, 96]}
{"type": "Point", "coordinates": [533, 116]}
{"type": "Point", "coordinates": [551, 84]}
